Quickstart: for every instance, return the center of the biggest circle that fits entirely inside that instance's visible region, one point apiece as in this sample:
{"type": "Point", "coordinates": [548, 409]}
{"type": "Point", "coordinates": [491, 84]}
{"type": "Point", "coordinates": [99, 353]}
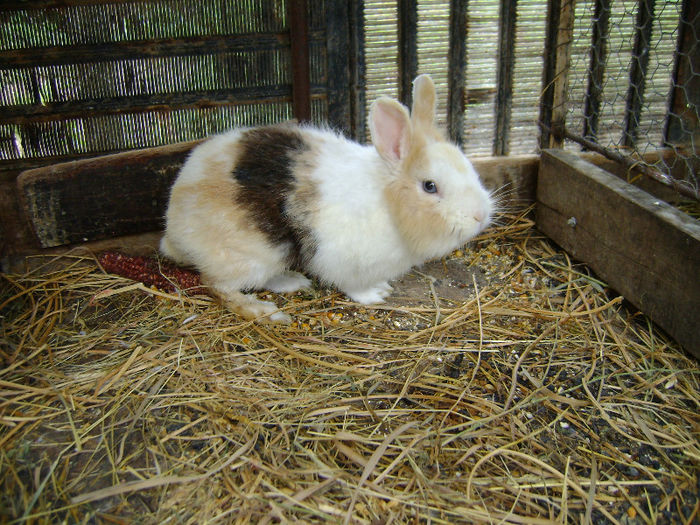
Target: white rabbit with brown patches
{"type": "Point", "coordinates": [253, 206]}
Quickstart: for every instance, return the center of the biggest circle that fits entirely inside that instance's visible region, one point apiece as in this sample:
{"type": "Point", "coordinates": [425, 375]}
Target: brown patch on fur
{"type": "Point", "coordinates": [265, 173]}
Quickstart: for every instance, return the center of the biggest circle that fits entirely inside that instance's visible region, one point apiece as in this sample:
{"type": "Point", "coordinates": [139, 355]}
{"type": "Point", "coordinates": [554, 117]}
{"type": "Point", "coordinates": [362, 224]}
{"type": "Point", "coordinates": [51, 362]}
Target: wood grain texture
{"type": "Point", "coordinates": [641, 246]}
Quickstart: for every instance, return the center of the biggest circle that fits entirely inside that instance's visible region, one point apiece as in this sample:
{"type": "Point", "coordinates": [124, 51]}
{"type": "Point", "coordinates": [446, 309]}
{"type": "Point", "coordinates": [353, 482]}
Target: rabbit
{"type": "Point", "coordinates": [253, 207]}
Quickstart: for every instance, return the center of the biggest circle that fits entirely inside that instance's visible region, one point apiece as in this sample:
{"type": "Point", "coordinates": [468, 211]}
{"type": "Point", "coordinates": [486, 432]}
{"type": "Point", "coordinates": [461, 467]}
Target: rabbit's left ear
{"type": "Point", "coordinates": [423, 110]}
{"type": "Point", "coordinates": [390, 128]}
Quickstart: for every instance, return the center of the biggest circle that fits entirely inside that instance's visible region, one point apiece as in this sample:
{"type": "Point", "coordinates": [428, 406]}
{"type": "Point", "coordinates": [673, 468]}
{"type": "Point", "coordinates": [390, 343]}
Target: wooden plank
{"type": "Point", "coordinates": [457, 69]}
{"type": "Point", "coordinates": [358, 71]}
{"type": "Point", "coordinates": [641, 246]}
{"type": "Point", "coordinates": [338, 57]}
{"type": "Point", "coordinates": [47, 4]}
{"type": "Point", "coordinates": [100, 198]}
{"type": "Point", "coordinates": [16, 235]}
{"type": "Point", "coordinates": [512, 179]}
{"type": "Point", "coordinates": [153, 102]}
{"type": "Point", "coordinates": [134, 49]}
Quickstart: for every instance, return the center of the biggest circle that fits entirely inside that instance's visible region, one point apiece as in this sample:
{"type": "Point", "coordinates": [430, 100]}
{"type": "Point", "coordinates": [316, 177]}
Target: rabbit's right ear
{"type": "Point", "coordinates": [390, 128]}
{"type": "Point", "coordinates": [423, 110]}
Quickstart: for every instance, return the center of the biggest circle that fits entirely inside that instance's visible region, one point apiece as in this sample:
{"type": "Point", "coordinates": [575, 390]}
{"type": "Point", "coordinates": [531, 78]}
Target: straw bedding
{"type": "Point", "coordinates": [503, 384]}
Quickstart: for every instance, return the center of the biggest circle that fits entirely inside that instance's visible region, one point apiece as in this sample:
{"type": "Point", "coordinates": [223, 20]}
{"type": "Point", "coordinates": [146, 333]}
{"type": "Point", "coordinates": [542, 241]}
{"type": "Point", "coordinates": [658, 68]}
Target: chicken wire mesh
{"type": "Point", "coordinates": [628, 91]}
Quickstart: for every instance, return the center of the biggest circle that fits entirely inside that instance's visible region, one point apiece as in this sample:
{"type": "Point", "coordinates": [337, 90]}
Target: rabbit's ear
{"type": "Point", "coordinates": [390, 127]}
{"type": "Point", "coordinates": [423, 110]}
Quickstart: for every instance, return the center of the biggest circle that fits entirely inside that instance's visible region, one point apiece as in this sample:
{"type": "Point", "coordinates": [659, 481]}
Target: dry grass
{"type": "Point", "coordinates": [539, 398]}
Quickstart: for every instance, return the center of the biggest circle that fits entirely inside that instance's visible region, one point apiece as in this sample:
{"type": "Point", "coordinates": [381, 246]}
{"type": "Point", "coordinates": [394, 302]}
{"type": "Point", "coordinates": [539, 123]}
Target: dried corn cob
{"type": "Point", "coordinates": [151, 272]}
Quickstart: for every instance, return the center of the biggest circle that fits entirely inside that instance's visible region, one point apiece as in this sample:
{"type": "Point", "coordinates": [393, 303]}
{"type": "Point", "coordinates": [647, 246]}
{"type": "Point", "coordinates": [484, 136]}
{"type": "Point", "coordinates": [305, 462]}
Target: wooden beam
{"type": "Point", "coordinates": [167, 102]}
{"type": "Point", "coordinates": [596, 69]}
{"type": "Point", "coordinates": [135, 49]}
{"type": "Point", "coordinates": [48, 4]}
{"type": "Point", "coordinates": [555, 76]}
{"type": "Point", "coordinates": [642, 247]}
{"type": "Point", "coordinates": [638, 71]}
{"type": "Point", "coordinates": [408, 48]}
{"type": "Point", "coordinates": [301, 71]}
{"type": "Point", "coordinates": [457, 70]}
{"type": "Point", "coordinates": [683, 121]}
{"type": "Point", "coordinates": [358, 71]}
{"type": "Point", "coordinates": [339, 56]}
{"type": "Point", "coordinates": [504, 75]}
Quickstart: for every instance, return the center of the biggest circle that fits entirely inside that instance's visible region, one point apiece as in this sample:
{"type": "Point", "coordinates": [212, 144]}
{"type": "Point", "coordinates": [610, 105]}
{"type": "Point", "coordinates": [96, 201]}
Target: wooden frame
{"type": "Point", "coordinates": [641, 246]}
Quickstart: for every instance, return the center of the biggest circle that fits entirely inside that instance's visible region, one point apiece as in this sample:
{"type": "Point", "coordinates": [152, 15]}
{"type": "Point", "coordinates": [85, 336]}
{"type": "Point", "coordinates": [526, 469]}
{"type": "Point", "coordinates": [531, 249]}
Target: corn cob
{"type": "Point", "coordinates": [151, 272]}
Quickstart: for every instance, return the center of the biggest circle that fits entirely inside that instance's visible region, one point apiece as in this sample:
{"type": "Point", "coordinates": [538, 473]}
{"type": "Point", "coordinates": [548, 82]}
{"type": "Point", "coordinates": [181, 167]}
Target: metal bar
{"type": "Point", "coordinates": [408, 48]}
{"type": "Point", "coordinates": [596, 74]}
{"type": "Point", "coordinates": [504, 75]}
{"type": "Point", "coordinates": [301, 71]}
{"type": "Point", "coordinates": [457, 68]}
{"type": "Point", "coordinates": [638, 71]}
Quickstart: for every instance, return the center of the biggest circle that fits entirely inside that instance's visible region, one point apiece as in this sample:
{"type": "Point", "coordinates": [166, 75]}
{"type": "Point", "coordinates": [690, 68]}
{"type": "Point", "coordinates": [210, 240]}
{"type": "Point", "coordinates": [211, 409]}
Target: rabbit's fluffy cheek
{"type": "Point", "coordinates": [418, 218]}
{"type": "Point", "coordinates": [440, 203]}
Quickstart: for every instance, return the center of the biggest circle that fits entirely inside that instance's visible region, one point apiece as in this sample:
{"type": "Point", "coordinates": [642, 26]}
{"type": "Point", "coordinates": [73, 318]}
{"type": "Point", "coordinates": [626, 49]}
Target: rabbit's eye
{"type": "Point", "coordinates": [429, 186]}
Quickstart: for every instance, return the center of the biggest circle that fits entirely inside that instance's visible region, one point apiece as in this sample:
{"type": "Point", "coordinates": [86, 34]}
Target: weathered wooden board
{"type": "Point", "coordinates": [641, 246]}
{"type": "Point", "coordinates": [100, 198]}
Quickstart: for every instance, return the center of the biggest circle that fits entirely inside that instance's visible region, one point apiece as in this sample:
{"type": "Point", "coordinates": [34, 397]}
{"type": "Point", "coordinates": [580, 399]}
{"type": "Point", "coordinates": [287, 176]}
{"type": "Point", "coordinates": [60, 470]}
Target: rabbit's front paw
{"type": "Point", "coordinates": [373, 295]}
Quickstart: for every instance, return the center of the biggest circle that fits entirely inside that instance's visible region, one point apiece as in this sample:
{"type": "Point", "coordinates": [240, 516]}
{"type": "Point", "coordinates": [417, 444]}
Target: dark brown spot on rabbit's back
{"type": "Point", "coordinates": [265, 175]}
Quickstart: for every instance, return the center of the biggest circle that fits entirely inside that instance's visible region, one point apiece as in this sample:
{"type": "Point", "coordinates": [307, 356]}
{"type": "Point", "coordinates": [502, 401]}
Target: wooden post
{"type": "Point", "coordinates": [596, 71]}
{"type": "Point", "coordinates": [682, 120]}
{"type": "Point", "coordinates": [456, 76]}
{"type": "Point", "coordinates": [555, 80]}
{"type": "Point", "coordinates": [358, 93]}
{"type": "Point", "coordinates": [301, 79]}
{"type": "Point", "coordinates": [638, 72]}
{"type": "Point", "coordinates": [408, 48]}
{"type": "Point", "coordinates": [504, 75]}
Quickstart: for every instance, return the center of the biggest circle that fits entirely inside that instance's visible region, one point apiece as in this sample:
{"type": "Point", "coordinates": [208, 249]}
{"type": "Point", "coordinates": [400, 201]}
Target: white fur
{"type": "Point", "coordinates": [365, 234]}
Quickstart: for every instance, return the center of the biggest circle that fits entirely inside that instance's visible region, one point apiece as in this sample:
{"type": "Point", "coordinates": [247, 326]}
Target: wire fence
{"type": "Point", "coordinates": [630, 89]}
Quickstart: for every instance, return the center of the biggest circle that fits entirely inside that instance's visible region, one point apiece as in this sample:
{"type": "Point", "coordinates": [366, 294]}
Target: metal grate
{"type": "Point", "coordinates": [82, 78]}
